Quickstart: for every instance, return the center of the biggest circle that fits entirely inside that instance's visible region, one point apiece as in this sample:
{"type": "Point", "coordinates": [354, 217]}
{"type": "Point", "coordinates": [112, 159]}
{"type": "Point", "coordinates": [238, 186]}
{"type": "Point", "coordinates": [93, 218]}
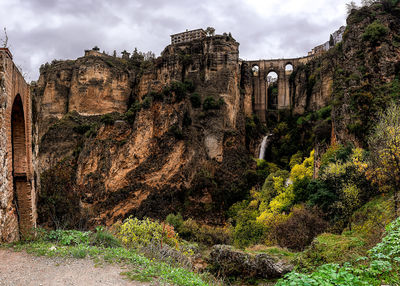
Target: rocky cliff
{"type": "Point", "coordinates": [358, 77]}
{"type": "Point", "coordinates": [144, 138]}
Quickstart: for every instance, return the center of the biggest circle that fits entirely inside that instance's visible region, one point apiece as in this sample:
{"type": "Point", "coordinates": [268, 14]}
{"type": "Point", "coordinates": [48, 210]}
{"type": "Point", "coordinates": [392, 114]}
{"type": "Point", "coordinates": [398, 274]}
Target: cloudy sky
{"type": "Point", "coordinates": [42, 30]}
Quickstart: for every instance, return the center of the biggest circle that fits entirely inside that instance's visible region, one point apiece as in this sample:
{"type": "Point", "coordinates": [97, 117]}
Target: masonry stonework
{"type": "Point", "coordinates": [17, 196]}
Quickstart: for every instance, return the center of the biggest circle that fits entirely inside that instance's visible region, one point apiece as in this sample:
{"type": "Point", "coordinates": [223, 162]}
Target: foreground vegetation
{"type": "Point", "coordinates": [146, 259]}
{"type": "Point", "coordinates": [380, 266]}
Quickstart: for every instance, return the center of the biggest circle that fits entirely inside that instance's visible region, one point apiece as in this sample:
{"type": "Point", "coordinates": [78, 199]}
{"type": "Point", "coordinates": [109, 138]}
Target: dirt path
{"type": "Point", "coordinates": [22, 269]}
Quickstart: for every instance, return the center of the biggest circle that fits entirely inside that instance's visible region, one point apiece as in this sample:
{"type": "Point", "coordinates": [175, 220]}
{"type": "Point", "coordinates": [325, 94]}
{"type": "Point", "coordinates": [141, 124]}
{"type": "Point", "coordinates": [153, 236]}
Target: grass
{"type": "Point", "coordinates": [274, 251]}
{"type": "Point", "coordinates": [140, 268]}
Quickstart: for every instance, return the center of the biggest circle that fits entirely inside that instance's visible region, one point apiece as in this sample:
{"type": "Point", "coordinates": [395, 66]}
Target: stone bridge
{"type": "Point", "coordinates": [17, 195]}
{"type": "Point", "coordinates": [264, 101]}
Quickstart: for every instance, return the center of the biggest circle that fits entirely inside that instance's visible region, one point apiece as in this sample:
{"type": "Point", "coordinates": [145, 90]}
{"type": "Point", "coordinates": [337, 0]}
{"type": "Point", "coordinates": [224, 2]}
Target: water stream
{"type": "Point", "coordinates": [263, 147]}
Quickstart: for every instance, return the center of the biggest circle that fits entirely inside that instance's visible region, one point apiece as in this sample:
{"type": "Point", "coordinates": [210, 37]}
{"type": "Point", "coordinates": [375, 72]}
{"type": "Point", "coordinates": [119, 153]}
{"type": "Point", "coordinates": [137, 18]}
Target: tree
{"type": "Point", "coordinates": [331, 41]}
{"type": "Point", "coordinates": [5, 41]}
{"type": "Point", "coordinates": [350, 7]}
{"type": "Point", "coordinates": [210, 31]}
{"type": "Point", "coordinates": [385, 152]}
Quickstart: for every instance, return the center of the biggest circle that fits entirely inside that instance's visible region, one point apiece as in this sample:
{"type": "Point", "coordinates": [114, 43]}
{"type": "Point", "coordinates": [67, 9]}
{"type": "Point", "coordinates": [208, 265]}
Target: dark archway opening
{"type": "Point", "coordinates": [22, 196]}
{"type": "Point", "coordinates": [272, 92]}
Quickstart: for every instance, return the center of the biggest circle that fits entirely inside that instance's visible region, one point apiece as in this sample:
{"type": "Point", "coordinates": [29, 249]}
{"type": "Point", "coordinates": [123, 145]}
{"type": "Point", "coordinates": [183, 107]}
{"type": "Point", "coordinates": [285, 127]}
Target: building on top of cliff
{"type": "Point", "coordinates": [93, 52]}
{"type": "Point", "coordinates": [188, 36]}
{"type": "Point", "coordinates": [336, 37]}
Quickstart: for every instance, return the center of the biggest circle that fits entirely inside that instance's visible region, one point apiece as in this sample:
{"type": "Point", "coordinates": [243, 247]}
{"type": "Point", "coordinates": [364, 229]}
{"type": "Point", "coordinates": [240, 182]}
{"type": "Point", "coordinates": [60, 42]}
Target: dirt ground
{"type": "Point", "coordinates": [22, 269]}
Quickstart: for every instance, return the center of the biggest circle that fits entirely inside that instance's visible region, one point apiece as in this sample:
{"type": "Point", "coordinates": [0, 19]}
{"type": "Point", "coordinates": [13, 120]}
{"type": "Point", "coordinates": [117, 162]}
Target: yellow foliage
{"type": "Point", "coordinates": [305, 169]}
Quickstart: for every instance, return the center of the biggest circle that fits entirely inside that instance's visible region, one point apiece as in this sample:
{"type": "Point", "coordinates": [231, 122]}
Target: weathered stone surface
{"type": "Point", "coordinates": [143, 168]}
{"type": "Point", "coordinates": [232, 262]}
{"type": "Point", "coordinates": [17, 196]}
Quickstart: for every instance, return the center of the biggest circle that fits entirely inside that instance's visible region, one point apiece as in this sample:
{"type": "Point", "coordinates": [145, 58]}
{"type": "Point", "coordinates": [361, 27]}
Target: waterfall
{"type": "Point", "coordinates": [263, 147]}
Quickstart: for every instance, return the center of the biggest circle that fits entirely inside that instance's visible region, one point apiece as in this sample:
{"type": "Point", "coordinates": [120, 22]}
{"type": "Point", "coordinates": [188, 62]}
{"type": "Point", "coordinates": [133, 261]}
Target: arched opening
{"type": "Point", "coordinates": [18, 138]}
{"type": "Point", "coordinates": [22, 196]}
{"type": "Point", "coordinates": [272, 92]}
{"type": "Point", "coordinates": [288, 68]}
{"type": "Point", "coordinates": [255, 70]}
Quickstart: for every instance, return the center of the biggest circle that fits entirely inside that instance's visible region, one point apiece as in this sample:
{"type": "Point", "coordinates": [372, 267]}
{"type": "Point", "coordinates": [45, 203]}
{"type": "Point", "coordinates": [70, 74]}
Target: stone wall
{"type": "Point", "coordinates": [17, 196]}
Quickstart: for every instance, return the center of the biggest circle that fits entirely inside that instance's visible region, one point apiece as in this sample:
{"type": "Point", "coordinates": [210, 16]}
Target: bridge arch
{"type": "Point", "coordinates": [263, 103]}
{"type": "Point", "coordinates": [17, 191]}
{"type": "Point", "coordinates": [22, 188]}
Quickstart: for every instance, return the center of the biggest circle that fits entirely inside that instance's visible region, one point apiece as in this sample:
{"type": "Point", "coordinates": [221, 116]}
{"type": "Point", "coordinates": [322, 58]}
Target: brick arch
{"type": "Point", "coordinates": [21, 184]}
{"type": "Point", "coordinates": [17, 190]}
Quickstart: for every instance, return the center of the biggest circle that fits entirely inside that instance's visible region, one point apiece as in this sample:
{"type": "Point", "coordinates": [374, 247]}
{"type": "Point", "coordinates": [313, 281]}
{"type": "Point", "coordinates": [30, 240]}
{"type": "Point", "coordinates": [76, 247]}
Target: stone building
{"type": "Point", "coordinates": [17, 196]}
{"type": "Point", "coordinates": [188, 36]}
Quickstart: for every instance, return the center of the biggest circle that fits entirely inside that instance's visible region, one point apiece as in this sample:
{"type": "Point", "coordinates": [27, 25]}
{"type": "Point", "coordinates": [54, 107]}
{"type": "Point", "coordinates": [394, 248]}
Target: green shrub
{"type": "Point", "coordinates": [68, 237]}
{"type": "Point", "coordinates": [381, 266]}
{"type": "Point", "coordinates": [82, 129]}
{"type": "Point", "coordinates": [146, 102]}
{"type": "Point", "coordinates": [299, 229]}
{"type": "Point", "coordinates": [130, 115]}
{"type": "Point", "coordinates": [104, 238]}
{"type": "Point", "coordinates": [374, 32]}
{"type": "Point", "coordinates": [137, 233]}
{"type": "Point", "coordinates": [107, 119]}
{"type": "Point", "coordinates": [189, 85]}
{"type": "Point", "coordinates": [175, 220]}
{"type": "Point", "coordinates": [176, 131]}
{"type": "Point", "coordinates": [205, 234]}
{"type": "Point", "coordinates": [156, 96]}
{"type": "Point", "coordinates": [195, 100]}
{"type": "Point", "coordinates": [210, 103]}
{"type": "Point", "coordinates": [179, 89]}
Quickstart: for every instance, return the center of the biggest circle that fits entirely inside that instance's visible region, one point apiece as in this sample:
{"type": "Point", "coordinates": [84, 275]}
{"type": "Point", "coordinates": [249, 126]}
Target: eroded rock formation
{"type": "Point", "coordinates": [165, 154]}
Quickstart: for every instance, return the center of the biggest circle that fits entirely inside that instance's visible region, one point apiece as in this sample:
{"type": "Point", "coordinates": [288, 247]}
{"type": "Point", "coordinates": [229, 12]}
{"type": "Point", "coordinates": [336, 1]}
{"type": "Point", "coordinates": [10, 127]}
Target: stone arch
{"type": "Point", "coordinates": [21, 184]}
{"type": "Point", "coordinates": [272, 79]}
{"type": "Point", "coordinates": [255, 70]}
{"type": "Point", "coordinates": [289, 67]}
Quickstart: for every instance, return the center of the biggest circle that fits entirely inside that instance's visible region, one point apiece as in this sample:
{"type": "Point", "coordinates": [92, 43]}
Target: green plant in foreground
{"type": "Point", "coordinates": [382, 266]}
{"type": "Point", "coordinates": [61, 243]}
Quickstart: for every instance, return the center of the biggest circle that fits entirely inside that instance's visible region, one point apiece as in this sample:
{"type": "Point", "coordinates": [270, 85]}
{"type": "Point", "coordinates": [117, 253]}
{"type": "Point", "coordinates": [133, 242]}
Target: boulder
{"type": "Point", "coordinates": [229, 261]}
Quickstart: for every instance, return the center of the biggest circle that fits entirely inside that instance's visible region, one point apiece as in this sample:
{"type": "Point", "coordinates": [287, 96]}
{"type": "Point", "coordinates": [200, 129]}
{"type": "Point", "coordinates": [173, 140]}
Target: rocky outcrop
{"type": "Point", "coordinates": [162, 156]}
{"type": "Point", "coordinates": [90, 85]}
{"type": "Point", "coordinates": [228, 261]}
{"type": "Point", "coordinates": [358, 77]}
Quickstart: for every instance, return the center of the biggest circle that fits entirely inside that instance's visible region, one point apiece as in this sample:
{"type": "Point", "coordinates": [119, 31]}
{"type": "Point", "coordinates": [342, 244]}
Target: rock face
{"type": "Point", "coordinates": [91, 85]}
{"type": "Point", "coordinates": [358, 77]}
{"type": "Point", "coordinates": [165, 154]}
{"type": "Point", "coordinates": [231, 262]}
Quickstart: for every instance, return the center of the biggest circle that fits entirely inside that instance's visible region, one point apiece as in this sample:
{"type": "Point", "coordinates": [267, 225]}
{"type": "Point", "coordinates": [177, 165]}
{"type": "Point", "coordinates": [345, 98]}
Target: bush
{"type": "Point", "coordinates": [82, 129]}
{"type": "Point", "coordinates": [107, 119]}
{"type": "Point", "coordinates": [175, 220]}
{"type": "Point", "coordinates": [205, 234]}
{"type": "Point", "coordinates": [146, 102]}
{"type": "Point", "coordinates": [179, 89]}
{"type": "Point", "coordinates": [104, 238]}
{"type": "Point", "coordinates": [195, 100]}
{"type": "Point", "coordinates": [189, 86]}
{"type": "Point", "coordinates": [374, 32]}
{"type": "Point", "coordinates": [68, 237]}
{"type": "Point", "coordinates": [176, 131]}
{"type": "Point", "coordinates": [137, 233]}
{"type": "Point", "coordinates": [210, 103]}
{"type": "Point", "coordinates": [380, 267]}
{"type": "Point", "coordinates": [130, 115]}
{"type": "Point", "coordinates": [299, 229]}
{"type": "Point", "coordinates": [156, 96]}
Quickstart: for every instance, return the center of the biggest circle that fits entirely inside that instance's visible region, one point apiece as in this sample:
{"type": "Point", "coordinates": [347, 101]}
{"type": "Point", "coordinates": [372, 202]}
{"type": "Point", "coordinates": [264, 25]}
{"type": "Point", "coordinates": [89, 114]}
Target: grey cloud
{"type": "Point", "coordinates": [41, 30]}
